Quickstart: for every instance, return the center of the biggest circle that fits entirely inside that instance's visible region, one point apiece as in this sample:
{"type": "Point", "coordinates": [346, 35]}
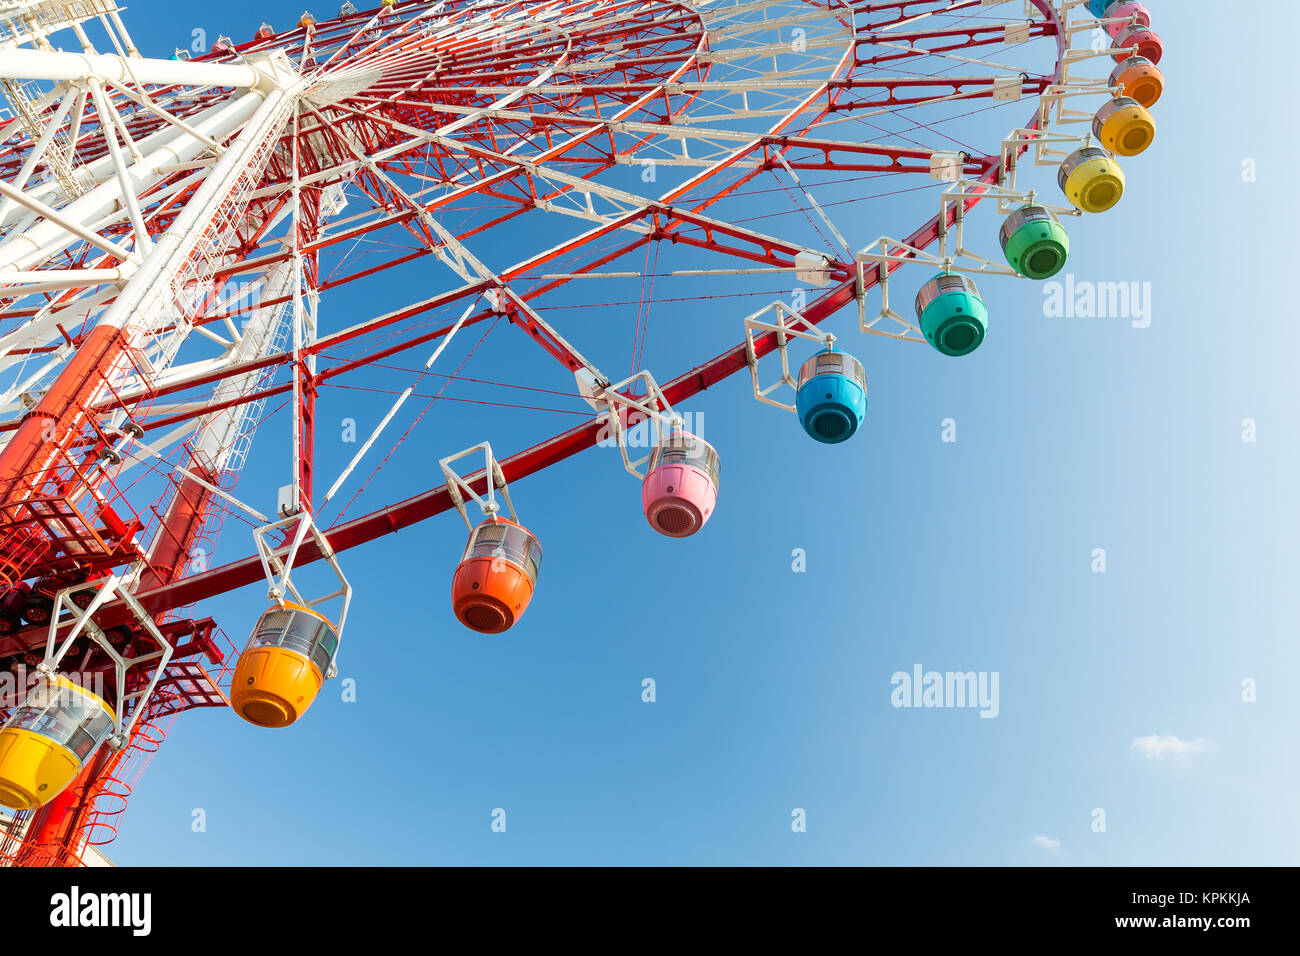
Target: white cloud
{"type": "Point", "coordinates": [1156, 746]}
{"type": "Point", "coordinates": [1050, 844]}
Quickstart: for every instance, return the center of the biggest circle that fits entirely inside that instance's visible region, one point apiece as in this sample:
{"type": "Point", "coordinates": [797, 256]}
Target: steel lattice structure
{"type": "Point", "coordinates": [515, 156]}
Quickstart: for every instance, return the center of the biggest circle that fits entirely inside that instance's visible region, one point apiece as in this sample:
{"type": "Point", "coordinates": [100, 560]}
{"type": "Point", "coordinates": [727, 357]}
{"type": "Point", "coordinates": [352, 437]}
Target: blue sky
{"type": "Point", "coordinates": [773, 686]}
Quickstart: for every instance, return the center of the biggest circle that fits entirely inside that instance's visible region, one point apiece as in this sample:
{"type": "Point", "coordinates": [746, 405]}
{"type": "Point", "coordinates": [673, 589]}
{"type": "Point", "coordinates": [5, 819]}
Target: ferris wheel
{"type": "Point", "coordinates": [516, 166]}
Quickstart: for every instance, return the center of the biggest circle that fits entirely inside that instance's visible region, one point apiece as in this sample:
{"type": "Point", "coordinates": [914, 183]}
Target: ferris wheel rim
{"type": "Point", "coordinates": [569, 442]}
{"type": "Point", "coordinates": [371, 526]}
{"type": "Point", "coordinates": [573, 440]}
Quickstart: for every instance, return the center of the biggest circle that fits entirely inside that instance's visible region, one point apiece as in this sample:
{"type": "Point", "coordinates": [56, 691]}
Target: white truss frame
{"type": "Point", "coordinates": [799, 328]}
{"type": "Point", "coordinates": [460, 488]}
{"type": "Point", "coordinates": [1007, 200]}
{"type": "Point", "coordinates": [653, 406]}
{"type": "Point", "coordinates": [278, 562]}
{"type": "Point", "coordinates": [81, 621]}
{"type": "Point", "coordinates": [891, 253]}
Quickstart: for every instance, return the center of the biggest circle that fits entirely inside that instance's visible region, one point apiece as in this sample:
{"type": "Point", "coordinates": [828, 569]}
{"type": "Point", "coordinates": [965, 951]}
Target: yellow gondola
{"type": "Point", "coordinates": [289, 656]}
{"type": "Point", "coordinates": [47, 741]}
